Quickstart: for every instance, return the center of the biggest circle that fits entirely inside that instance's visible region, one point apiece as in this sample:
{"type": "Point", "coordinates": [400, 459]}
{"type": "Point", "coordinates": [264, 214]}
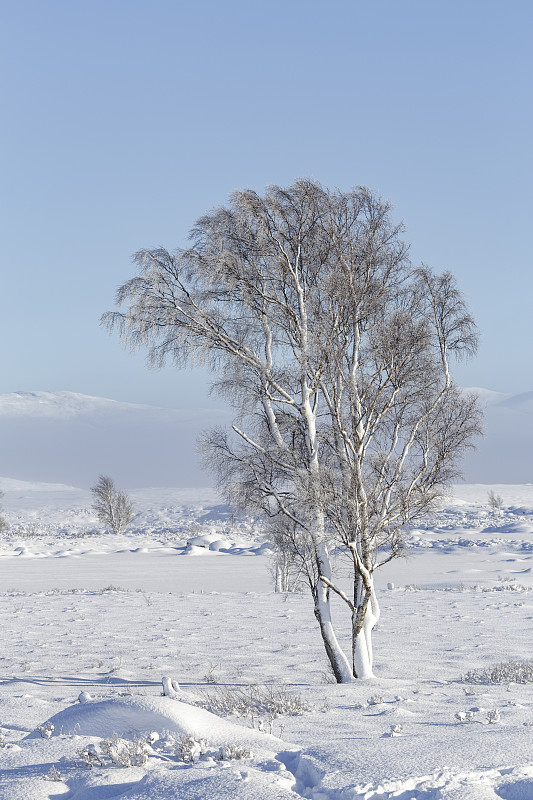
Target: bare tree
{"type": "Point", "coordinates": [288, 570]}
{"type": "Point", "coordinates": [4, 524]}
{"type": "Point", "coordinates": [494, 500]}
{"type": "Point", "coordinates": [334, 350]}
{"type": "Point", "coordinates": [112, 506]}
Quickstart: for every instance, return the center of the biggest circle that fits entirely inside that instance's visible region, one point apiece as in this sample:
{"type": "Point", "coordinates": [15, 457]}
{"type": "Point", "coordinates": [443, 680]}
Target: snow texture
{"type": "Point", "coordinates": [94, 622]}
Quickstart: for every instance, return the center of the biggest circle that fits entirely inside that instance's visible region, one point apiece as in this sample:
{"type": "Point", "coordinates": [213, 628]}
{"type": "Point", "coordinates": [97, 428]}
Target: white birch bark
{"type": "Point", "coordinates": [363, 656]}
{"type": "Point", "coordinates": [338, 660]}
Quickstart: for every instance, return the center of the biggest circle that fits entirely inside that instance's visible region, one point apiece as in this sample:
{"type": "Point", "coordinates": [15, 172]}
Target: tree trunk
{"type": "Point", "coordinates": [339, 663]}
{"type": "Point", "coordinates": [362, 636]}
{"type": "Point", "coordinates": [337, 659]}
{"type": "Point", "coordinates": [278, 585]}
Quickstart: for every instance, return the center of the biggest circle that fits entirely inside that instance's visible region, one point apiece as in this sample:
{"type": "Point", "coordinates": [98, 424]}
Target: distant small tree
{"type": "Point", "coordinates": [112, 506]}
{"type": "Point", "coordinates": [289, 573]}
{"type": "Point", "coordinates": [495, 501]}
{"type": "Point", "coordinates": [4, 525]}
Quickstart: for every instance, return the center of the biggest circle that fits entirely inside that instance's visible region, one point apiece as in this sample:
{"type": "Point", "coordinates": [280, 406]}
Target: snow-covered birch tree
{"type": "Point", "coordinates": [112, 506]}
{"type": "Point", "coordinates": [334, 351]}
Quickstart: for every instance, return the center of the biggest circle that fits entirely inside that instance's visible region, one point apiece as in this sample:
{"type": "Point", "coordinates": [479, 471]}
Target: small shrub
{"type": "Point", "coordinates": [189, 750]}
{"type": "Point", "coordinates": [495, 501]}
{"type": "Point", "coordinates": [90, 756]}
{"type": "Point", "coordinates": [465, 716]}
{"type": "Point", "coordinates": [211, 674]}
{"type": "Point", "coordinates": [395, 730]}
{"type": "Point", "coordinates": [252, 702]}
{"type": "Point", "coordinates": [53, 774]}
{"type": "Point", "coordinates": [31, 531]}
{"type": "Point", "coordinates": [46, 730]}
{"type": "Point", "coordinates": [510, 671]}
{"type": "Point", "coordinates": [117, 751]}
{"type": "Point", "coordinates": [4, 525]}
{"type": "Point", "coordinates": [233, 752]}
{"type": "Point", "coordinates": [124, 752]}
{"type": "Point", "coordinates": [510, 584]}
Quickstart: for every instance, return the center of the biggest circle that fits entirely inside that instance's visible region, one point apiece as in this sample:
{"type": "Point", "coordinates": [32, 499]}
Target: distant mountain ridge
{"type": "Point", "coordinates": [69, 438]}
{"type": "Point", "coordinates": [61, 405]}
{"type": "Point", "coordinates": [487, 396]}
{"type": "Point", "coordinates": [518, 402]}
{"type": "Point", "coordinates": [54, 404]}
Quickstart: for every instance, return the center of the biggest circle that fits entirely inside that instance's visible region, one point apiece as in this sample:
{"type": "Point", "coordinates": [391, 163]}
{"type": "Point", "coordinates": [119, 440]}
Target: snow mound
{"type": "Point", "coordinates": [259, 773]}
{"type": "Point", "coordinates": [141, 715]}
{"type": "Point", "coordinates": [214, 543]}
{"type": "Point", "coordinates": [34, 788]}
{"type": "Point", "coordinates": [209, 539]}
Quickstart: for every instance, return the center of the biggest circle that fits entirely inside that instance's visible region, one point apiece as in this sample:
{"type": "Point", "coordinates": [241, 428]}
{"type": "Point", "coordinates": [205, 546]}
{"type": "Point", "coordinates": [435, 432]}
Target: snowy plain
{"type": "Point", "coordinates": [93, 622]}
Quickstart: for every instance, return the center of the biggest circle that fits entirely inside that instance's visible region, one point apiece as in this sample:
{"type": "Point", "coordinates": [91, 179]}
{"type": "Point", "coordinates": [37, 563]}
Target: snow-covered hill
{"type": "Point", "coordinates": [70, 438]}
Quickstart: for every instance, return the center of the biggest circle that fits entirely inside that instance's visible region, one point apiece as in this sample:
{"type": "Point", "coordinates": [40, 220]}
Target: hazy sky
{"type": "Point", "coordinates": [124, 120]}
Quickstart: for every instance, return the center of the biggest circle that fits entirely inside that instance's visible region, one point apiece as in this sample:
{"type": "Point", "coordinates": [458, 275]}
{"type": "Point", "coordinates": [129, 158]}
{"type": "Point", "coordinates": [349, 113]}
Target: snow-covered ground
{"type": "Point", "coordinates": [93, 622]}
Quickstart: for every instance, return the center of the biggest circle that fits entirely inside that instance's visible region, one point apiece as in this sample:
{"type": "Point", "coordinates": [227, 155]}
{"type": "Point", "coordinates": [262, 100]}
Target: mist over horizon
{"type": "Point", "coordinates": [71, 438]}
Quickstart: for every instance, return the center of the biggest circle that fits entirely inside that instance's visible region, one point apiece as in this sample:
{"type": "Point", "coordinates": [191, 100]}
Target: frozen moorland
{"type": "Point", "coordinates": [161, 664]}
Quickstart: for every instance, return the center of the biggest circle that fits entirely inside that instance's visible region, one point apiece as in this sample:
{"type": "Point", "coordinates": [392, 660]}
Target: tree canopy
{"type": "Point", "coordinates": [335, 350]}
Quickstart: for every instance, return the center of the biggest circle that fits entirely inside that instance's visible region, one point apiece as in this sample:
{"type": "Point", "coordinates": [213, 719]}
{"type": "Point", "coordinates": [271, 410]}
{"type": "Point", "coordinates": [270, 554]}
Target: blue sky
{"type": "Point", "coordinates": [124, 121]}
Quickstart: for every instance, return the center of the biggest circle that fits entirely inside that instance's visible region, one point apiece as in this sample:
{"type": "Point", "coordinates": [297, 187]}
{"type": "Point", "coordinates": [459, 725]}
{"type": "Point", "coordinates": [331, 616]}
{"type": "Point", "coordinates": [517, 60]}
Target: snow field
{"type": "Point", "coordinates": [81, 641]}
{"type": "Point", "coordinates": [417, 731]}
